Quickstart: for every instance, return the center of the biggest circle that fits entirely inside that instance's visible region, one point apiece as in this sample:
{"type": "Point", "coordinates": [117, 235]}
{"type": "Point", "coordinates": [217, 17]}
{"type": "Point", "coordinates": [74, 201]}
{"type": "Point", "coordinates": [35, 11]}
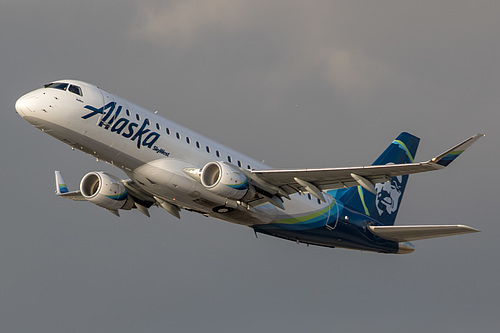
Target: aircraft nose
{"type": "Point", "coordinates": [25, 105]}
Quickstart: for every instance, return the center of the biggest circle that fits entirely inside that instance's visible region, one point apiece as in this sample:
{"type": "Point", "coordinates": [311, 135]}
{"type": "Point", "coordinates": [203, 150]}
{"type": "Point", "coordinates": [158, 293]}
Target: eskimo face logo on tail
{"type": "Point", "coordinates": [141, 134]}
{"type": "Point", "coordinates": [388, 195]}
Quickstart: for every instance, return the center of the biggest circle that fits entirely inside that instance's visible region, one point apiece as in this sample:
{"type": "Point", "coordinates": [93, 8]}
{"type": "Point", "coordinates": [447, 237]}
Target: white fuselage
{"type": "Point", "coordinates": [153, 151]}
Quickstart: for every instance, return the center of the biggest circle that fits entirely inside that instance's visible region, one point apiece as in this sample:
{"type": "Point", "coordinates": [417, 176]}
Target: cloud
{"type": "Point", "coordinates": [182, 22]}
{"type": "Point", "coordinates": [305, 37]}
{"type": "Point", "coordinates": [350, 69]}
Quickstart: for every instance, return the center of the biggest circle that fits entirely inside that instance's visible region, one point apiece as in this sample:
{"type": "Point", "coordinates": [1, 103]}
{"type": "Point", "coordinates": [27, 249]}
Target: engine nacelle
{"type": "Point", "coordinates": [104, 190]}
{"type": "Point", "coordinates": [226, 180]}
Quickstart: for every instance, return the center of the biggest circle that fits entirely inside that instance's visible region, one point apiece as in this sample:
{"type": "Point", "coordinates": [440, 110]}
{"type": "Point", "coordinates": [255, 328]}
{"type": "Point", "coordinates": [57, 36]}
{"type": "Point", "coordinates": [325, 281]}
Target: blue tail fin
{"type": "Point", "coordinates": [385, 205]}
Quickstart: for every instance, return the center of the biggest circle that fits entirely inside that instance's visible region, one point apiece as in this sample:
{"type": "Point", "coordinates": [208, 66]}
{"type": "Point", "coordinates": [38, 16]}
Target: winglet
{"type": "Point", "coordinates": [62, 190]}
{"type": "Point", "coordinates": [450, 155]}
{"type": "Point", "coordinates": [61, 187]}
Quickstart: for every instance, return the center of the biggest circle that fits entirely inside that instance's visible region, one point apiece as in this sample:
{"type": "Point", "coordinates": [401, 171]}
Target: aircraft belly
{"type": "Point", "coordinates": [87, 144]}
{"type": "Point", "coordinates": [344, 236]}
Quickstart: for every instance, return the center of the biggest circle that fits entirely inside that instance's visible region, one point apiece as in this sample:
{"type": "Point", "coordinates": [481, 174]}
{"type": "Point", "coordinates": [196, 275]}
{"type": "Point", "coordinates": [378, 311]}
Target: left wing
{"type": "Point", "coordinates": [134, 190]}
{"type": "Point", "coordinates": [62, 189]}
{"type": "Point", "coordinates": [316, 180]}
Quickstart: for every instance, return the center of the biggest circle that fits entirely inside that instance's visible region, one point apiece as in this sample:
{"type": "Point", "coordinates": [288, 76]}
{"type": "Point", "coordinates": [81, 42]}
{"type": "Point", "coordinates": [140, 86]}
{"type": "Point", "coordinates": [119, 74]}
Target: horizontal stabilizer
{"type": "Point", "coordinates": [416, 232]}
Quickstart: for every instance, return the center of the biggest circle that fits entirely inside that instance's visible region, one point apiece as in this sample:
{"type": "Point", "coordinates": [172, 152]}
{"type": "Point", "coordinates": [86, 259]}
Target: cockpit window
{"type": "Point", "coordinates": [57, 85]}
{"type": "Point", "coordinates": [75, 89]}
{"type": "Point", "coordinates": [64, 86]}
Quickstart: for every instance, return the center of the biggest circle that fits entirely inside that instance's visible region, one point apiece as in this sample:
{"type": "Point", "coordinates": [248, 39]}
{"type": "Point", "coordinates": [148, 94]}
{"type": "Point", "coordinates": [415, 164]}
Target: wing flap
{"type": "Point", "coordinates": [417, 232]}
{"type": "Point", "coordinates": [137, 192]}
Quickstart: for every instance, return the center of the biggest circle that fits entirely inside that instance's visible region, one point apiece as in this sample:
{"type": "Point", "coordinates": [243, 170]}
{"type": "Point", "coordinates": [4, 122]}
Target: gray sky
{"type": "Point", "coordinates": [295, 83]}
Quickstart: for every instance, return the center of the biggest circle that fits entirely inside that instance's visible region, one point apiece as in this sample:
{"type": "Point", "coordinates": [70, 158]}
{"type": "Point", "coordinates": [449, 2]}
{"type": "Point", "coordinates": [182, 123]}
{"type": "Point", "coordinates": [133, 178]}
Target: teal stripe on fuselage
{"type": "Point", "coordinates": [311, 220]}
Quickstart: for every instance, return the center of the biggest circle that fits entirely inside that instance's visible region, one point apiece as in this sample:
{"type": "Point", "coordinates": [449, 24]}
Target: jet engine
{"type": "Point", "coordinates": [226, 180]}
{"type": "Point", "coordinates": [104, 190]}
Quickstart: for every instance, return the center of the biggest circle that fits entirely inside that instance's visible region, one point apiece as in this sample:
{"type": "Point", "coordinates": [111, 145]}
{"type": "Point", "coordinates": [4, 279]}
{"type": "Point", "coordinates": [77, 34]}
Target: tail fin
{"type": "Point", "coordinates": [385, 205]}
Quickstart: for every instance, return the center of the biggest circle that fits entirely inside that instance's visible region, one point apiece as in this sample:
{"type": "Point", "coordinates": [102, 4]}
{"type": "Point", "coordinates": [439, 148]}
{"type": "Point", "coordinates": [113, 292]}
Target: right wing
{"type": "Point", "coordinates": [287, 181]}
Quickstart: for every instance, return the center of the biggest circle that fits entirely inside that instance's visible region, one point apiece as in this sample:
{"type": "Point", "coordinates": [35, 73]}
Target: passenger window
{"type": "Point", "coordinates": [128, 112]}
{"type": "Point", "coordinates": [239, 164]}
{"type": "Point", "coordinates": [167, 130]}
{"type": "Point", "coordinates": [198, 145]}
{"type": "Point", "coordinates": [229, 159]}
{"type": "Point", "coordinates": [158, 126]}
{"type": "Point", "coordinates": [138, 117]}
{"type": "Point", "coordinates": [177, 135]}
{"type": "Point", "coordinates": [147, 121]}
{"type": "Point", "coordinates": [188, 140]}
{"type": "Point", "coordinates": [75, 90]}
{"type": "Point", "coordinates": [217, 153]}
{"type": "Point", "coordinates": [208, 149]}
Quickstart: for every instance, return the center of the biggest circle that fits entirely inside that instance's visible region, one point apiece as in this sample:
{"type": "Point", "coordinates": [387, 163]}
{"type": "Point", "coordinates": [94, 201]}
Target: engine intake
{"type": "Point", "coordinates": [226, 181]}
{"type": "Point", "coordinates": [104, 190]}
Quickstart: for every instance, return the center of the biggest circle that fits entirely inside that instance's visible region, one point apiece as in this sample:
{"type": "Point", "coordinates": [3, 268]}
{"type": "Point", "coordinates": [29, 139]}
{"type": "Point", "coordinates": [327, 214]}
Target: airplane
{"type": "Point", "coordinates": [172, 167]}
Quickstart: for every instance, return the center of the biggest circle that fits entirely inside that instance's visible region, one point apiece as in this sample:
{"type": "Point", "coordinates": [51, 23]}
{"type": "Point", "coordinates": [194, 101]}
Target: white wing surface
{"type": "Point", "coordinates": [316, 180]}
